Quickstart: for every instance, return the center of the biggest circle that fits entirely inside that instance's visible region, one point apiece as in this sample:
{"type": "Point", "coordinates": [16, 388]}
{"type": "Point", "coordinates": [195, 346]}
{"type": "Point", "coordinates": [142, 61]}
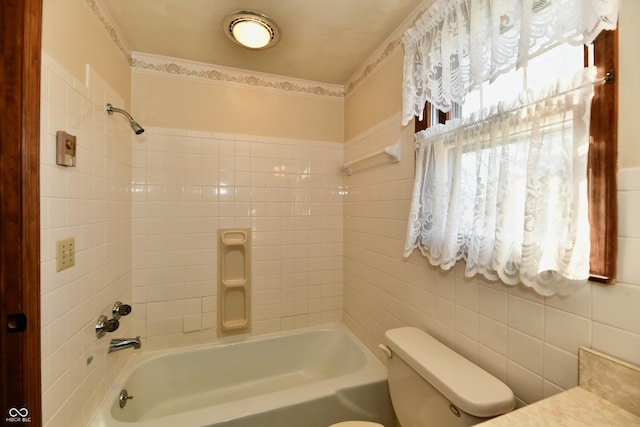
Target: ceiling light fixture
{"type": "Point", "coordinates": [251, 29]}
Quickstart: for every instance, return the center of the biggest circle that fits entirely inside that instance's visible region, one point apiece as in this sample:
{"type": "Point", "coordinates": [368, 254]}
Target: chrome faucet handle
{"type": "Point", "coordinates": [119, 309]}
{"type": "Point", "coordinates": [103, 326]}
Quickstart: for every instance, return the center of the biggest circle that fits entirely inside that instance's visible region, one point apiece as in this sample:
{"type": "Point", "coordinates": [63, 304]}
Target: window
{"type": "Point", "coordinates": [565, 60]}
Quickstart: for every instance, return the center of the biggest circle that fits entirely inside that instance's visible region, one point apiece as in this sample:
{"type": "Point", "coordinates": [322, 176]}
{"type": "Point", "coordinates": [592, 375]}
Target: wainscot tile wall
{"type": "Point", "coordinates": [526, 340]}
{"type": "Point", "coordinates": [187, 185]}
{"type": "Point", "coordinates": [92, 203]}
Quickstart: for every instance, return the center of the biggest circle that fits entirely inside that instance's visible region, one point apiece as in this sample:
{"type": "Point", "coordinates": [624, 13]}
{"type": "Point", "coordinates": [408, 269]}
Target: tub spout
{"type": "Point", "coordinates": [118, 344]}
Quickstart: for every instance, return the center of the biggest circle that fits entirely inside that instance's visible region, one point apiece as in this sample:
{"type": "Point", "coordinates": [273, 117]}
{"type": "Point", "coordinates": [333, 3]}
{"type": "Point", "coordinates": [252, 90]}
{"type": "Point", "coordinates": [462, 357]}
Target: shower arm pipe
{"type": "Point", "coordinates": [134, 125]}
{"type": "Point", "coordinates": [111, 109]}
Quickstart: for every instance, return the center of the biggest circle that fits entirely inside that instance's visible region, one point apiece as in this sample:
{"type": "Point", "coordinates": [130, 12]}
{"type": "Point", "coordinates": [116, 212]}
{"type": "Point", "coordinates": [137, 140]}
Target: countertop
{"type": "Point", "coordinates": [576, 407]}
{"type": "Point", "coordinates": [608, 394]}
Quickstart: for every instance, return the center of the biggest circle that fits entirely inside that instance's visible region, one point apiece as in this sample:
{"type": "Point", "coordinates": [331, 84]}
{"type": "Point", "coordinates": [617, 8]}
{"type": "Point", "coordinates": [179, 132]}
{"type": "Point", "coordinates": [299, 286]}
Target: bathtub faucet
{"type": "Point", "coordinates": [118, 344]}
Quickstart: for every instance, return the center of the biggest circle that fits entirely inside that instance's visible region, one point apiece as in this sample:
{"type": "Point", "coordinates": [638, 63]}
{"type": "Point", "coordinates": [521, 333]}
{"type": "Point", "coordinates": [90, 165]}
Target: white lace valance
{"type": "Point", "coordinates": [508, 193]}
{"type": "Point", "coordinates": [458, 44]}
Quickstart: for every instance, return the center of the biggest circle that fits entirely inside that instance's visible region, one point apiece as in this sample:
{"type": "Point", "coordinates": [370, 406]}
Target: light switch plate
{"type": "Point", "coordinates": [65, 253]}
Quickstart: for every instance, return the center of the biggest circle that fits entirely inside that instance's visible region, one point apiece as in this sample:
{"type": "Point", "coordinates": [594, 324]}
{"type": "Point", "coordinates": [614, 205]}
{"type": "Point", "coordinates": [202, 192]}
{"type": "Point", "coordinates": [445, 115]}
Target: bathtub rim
{"type": "Point", "coordinates": [372, 371]}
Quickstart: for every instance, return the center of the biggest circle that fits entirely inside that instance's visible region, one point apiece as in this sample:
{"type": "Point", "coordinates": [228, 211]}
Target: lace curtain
{"type": "Point", "coordinates": [458, 44]}
{"type": "Point", "coordinates": [508, 194]}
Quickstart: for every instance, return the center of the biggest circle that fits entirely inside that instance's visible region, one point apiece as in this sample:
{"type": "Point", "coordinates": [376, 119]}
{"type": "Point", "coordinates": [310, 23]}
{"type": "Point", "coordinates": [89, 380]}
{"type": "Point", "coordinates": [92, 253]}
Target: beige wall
{"type": "Point", "coordinates": [376, 98]}
{"type": "Point", "coordinates": [73, 37]}
{"type": "Point", "coordinates": [175, 102]}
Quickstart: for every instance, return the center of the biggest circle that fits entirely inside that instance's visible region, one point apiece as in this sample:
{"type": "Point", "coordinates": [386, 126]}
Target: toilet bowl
{"type": "Point", "coordinates": [433, 386]}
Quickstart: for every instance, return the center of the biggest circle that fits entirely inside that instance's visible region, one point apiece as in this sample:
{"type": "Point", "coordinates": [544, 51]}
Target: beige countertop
{"type": "Point", "coordinates": [608, 394]}
{"type": "Point", "coordinates": [573, 408]}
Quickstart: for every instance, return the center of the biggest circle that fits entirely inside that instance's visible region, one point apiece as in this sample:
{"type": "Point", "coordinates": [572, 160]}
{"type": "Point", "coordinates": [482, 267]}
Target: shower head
{"type": "Point", "coordinates": [134, 125]}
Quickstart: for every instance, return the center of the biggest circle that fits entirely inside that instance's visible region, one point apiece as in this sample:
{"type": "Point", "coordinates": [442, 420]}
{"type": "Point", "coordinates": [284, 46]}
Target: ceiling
{"type": "Point", "coordinates": [321, 40]}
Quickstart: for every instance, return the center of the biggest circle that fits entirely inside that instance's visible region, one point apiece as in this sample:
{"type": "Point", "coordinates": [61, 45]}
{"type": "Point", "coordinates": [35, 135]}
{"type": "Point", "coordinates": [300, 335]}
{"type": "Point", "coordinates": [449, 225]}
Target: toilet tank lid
{"type": "Point", "coordinates": [465, 384]}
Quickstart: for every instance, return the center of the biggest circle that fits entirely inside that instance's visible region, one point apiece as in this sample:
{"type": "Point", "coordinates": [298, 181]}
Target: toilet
{"type": "Point", "coordinates": [433, 386]}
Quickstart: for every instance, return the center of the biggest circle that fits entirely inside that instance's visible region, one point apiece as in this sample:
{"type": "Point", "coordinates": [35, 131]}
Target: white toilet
{"type": "Point", "coordinates": [433, 386]}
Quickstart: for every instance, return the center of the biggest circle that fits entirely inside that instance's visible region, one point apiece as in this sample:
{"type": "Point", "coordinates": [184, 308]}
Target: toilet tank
{"type": "Point", "coordinates": [431, 385]}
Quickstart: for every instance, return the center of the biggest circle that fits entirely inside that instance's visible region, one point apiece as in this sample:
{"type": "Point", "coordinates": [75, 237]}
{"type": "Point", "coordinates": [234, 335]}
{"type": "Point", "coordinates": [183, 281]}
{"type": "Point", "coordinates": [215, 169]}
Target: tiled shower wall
{"type": "Point", "coordinates": [528, 341]}
{"type": "Point", "coordinates": [187, 185]}
{"type": "Point", "coordinates": [92, 203]}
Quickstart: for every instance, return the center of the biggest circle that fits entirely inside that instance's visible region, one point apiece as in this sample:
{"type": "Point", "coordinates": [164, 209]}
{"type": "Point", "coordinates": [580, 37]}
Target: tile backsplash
{"type": "Point", "coordinates": [611, 379]}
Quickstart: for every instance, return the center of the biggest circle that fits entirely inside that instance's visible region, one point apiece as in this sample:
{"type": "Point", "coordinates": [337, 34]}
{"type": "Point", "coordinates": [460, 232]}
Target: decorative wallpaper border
{"type": "Point", "coordinates": [388, 48]}
{"type": "Point", "coordinates": [200, 70]}
{"type": "Point", "coordinates": [191, 69]}
{"type": "Point", "coordinates": [370, 67]}
{"type": "Point", "coordinates": [106, 20]}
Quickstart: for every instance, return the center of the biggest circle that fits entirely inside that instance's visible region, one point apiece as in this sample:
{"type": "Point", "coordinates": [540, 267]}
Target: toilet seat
{"type": "Point", "coordinates": [356, 424]}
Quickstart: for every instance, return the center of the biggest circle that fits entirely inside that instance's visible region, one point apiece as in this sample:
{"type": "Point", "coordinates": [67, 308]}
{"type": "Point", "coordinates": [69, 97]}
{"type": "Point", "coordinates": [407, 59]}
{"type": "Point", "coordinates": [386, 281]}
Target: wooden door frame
{"type": "Point", "coordinates": [20, 354]}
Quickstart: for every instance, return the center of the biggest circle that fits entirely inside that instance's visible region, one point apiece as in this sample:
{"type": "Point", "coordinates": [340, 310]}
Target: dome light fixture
{"type": "Point", "coordinates": [251, 29]}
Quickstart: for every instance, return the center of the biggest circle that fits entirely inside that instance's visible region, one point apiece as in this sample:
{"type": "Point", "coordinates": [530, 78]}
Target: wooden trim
{"type": "Point", "coordinates": [427, 120]}
{"type": "Point", "coordinates": [21, 22]}
{"type": "Point", "coordinates": [603, 157]}
{"type": "Point", "coordinates": [425, 123]}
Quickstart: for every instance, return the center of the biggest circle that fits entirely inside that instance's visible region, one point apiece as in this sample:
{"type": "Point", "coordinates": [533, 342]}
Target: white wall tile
{"type": "Point", "coordinates": [616, 342]}
{"type": "Point", "coordinates": [628, 267]}
{"type": "Point", "coordinates": [526, 385]}
{"type": "Point", "coordinates": [467, 293]}
{"type": "Point", "coordinates": [617, 306]}
{"type": "Point", "coordinates": [578, 302]}
{"type": "Point", "coordinates": [550, 389]}
{"type": "Point", "coordinates": [91, 203]}
{"type": "Point", "coordinates": [526, 316]}
{"type": "Point", "coordinates": [466, 322]}
{"type": "Point", "coordinates": [629, 180]}
{"type": "Point", "coordinates": [566, 330]}
{"type": "Point", "coordinates": [492, 303]}
{"type": "Point", "coordinates": [560, 367]}
{"type": "Point", "coordinates": [492, 334]}
{"type": "Point", "coordinates": [492, 362]}
{"type": "Point", "coordinates": [467, 347]}
{"type": "Point", "coordinates": [525, 350]}
{"type": "Point", "coordinates": [628, 204]}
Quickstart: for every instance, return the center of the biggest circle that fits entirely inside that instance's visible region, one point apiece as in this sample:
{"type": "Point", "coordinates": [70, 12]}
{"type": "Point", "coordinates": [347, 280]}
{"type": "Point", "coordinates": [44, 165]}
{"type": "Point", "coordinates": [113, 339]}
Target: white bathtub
{"type": "Point", "coordinates": [305, 378]}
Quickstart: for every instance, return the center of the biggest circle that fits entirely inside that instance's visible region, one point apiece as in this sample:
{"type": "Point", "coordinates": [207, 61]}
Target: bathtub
{"type": "Point", "coordinates": [305, 378]}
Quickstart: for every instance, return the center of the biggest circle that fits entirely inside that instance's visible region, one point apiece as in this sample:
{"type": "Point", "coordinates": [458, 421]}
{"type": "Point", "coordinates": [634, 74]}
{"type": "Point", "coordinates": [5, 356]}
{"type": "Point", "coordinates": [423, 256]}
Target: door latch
{"type": "Point", "coordinates": [16, 322]}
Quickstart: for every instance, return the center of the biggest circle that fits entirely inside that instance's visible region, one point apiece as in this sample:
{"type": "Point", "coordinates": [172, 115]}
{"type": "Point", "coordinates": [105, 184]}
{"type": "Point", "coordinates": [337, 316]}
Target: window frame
{"type": "Point", "coordinates": [603, 156]}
